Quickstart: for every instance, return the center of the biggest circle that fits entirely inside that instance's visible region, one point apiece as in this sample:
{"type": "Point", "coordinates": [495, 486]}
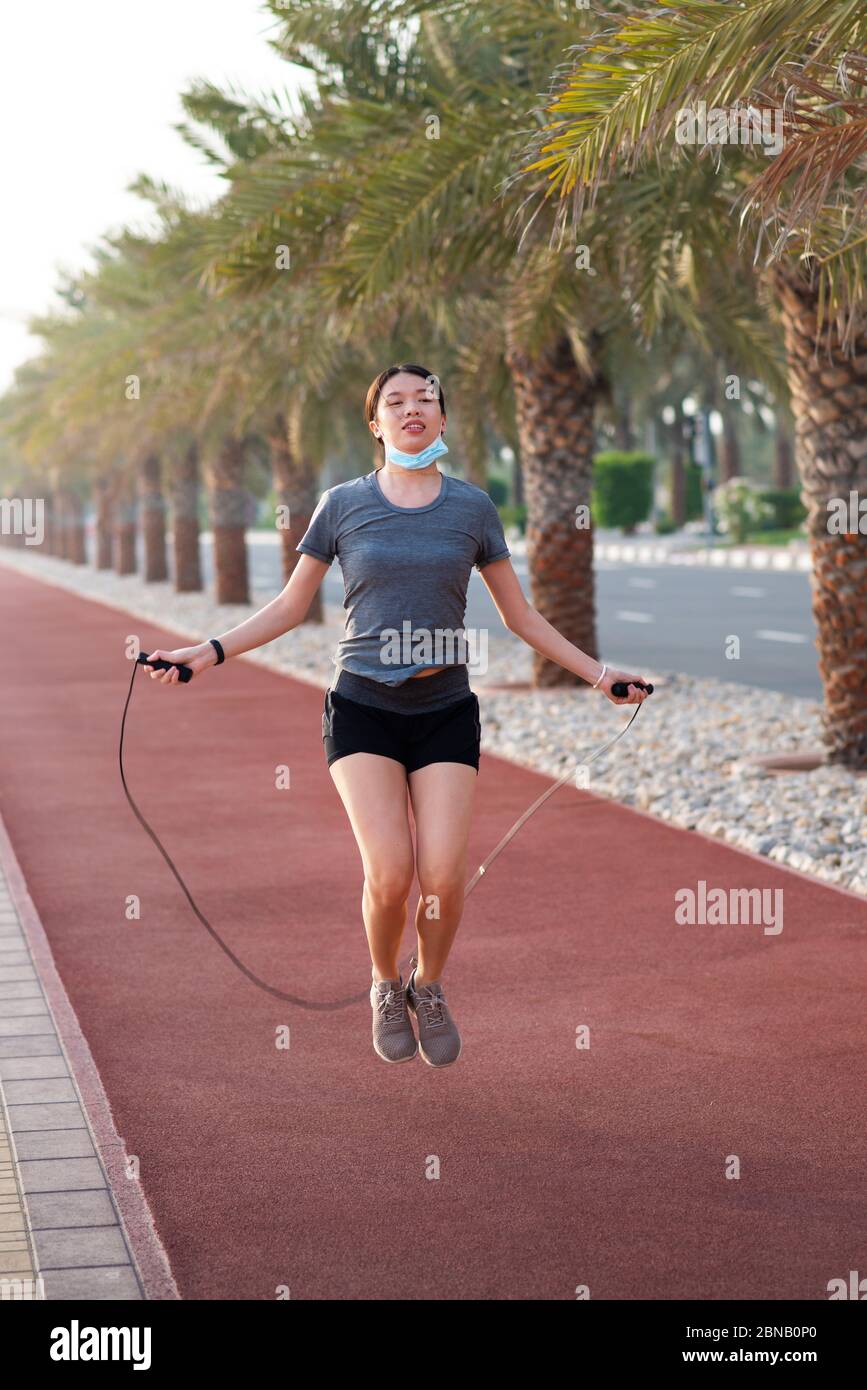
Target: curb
{"type": "Point", "coordinates": [739, 557]}
{"type": "Point", "coordinates": [70, 1259]}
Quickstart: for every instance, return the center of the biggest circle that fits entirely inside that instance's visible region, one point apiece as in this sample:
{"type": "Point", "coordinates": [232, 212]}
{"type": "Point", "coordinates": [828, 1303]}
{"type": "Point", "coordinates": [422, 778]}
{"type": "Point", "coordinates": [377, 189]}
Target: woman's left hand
{"type": "Point", "coordinates": [635, 696]}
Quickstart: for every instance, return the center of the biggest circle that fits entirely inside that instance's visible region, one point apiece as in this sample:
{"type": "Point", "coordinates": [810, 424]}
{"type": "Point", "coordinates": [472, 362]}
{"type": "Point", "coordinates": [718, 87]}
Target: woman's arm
{"type": "Point", "coordinates": [283, 613]}
{"type": "Point", "coordinates": [521, 618]}
{"type": "Point", "coordinates": [538, 633]}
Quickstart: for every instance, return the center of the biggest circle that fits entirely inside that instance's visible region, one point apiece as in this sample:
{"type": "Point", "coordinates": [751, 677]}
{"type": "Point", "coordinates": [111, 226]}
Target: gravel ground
{"type": "Point", "coordinates": [686, 759]}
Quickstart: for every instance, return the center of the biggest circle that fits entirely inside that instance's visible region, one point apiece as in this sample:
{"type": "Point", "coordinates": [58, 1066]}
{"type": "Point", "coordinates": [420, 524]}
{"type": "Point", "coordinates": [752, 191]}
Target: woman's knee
{"type": "Point", "coordinates": [388, 884]}
{"type": "Point", "coordinates": [442, 885]}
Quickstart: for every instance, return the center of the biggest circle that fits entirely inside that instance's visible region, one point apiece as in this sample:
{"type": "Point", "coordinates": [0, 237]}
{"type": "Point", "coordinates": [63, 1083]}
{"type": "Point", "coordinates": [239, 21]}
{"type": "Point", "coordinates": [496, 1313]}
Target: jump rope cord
{"type": "Point", "coordinates": [364, 994]}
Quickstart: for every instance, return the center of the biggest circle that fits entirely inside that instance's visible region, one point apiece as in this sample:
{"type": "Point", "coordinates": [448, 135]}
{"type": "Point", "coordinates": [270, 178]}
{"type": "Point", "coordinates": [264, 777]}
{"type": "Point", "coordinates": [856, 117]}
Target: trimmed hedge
{"type": "Point", "coordinates": [498, 491]}
{"type": "Point", "coordinates": [622, 489]}
{"type": "Point", "coordinates": [789, 511]}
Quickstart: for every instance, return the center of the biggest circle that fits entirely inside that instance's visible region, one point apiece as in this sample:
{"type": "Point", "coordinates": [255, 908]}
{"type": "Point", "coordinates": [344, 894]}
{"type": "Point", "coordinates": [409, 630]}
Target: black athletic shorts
{"type": "Point", "coordinates": [448, 735]}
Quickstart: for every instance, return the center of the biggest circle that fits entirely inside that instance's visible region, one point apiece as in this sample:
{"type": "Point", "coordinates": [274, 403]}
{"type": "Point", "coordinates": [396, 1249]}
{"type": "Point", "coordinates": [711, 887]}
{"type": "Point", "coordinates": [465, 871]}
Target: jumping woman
{"type": "Point", "coordinates": [399, 721]}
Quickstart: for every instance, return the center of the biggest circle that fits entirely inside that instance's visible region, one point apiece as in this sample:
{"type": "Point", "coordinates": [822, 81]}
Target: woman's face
{"type": "Point", "coordinates": [408, 414]}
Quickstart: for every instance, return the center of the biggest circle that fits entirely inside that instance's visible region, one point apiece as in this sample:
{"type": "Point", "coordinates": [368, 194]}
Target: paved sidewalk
{"type": "Point", "coordinates": [615, 1063]}
{"type": "Point", "coordinates": [18, 982]}
{"type": "Point", "coordinates": [61, 1215]}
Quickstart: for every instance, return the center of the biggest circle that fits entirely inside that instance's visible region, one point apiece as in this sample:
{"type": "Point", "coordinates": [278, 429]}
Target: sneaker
{"type": "Point", "coordinates": [393, 1037]}
{"type": "Point", "coordinates": [439, 1041]}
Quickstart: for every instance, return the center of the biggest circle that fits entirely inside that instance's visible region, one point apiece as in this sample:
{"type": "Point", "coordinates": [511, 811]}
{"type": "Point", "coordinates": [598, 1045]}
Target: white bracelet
{"type": "Point", "coordinates": [601, 674]}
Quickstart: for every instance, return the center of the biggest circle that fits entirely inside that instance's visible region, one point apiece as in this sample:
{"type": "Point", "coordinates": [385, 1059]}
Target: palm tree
{"type": "Point", "coordinates": [619, 105]}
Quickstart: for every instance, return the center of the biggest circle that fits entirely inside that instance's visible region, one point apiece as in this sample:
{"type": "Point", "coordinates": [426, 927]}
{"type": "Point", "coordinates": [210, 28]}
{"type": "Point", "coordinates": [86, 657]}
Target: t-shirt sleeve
{"type": "Point", "coordinates": [492, 545]}
{"type": "Point", "coordinates": [319, 540]}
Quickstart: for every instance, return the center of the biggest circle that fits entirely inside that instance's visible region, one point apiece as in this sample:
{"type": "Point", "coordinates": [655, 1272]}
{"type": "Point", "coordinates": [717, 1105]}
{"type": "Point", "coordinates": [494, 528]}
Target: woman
{"type": "Point", "coordinates": [401, 719]}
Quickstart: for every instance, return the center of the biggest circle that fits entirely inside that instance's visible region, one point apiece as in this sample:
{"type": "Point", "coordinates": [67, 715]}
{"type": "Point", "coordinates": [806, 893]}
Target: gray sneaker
{"type": "Point", "coordinates": [439, 1041]}
{"type": "Point", "coordinates": [393, 1037]}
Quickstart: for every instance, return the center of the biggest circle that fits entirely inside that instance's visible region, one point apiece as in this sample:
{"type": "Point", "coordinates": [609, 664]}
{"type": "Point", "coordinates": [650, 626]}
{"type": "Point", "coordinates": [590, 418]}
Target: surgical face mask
{"type": "Point", "coordinates": [403, 460]}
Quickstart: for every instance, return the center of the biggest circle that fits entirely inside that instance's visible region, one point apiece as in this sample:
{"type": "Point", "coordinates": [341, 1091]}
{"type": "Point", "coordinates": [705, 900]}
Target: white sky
{"type": "Point", "coordinates": [88, 98]}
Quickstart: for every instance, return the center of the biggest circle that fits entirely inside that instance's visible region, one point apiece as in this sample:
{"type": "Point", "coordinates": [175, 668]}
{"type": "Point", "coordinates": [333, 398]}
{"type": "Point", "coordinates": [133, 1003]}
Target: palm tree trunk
{"type": "Point", "coordinates": [52, 516]}
{"type": "Point", "coordinates": [297, 494]}
{"type": "Point", "coordinates": [103, 505]}
{"type": "Point", "coordinates": [61, 507]}
{"type": "Point", "coordinates": [228, 502]}
{"type": "Point", "coordinates": [185, 521]}
{"type": "Point", "coordinates": [784, 473]}
{"type": "Point", "coordinates": [678, 471]}
{"type": "Point", "coordinates": [624, 433]}
{"type": "Point", "coordinates": [555, 408]}
{"type": "Point", "coordinates": [76, 550]}
{"type": "Point", "coordinates": [517, 480]}
{"type": "Point", "coordinates": [466, 420]}
{"type": "Point", "coordinates": [125, 518]}
{"type": "Point", "coordinates": [153, 506]}
{"type": "Point", "coordinates": [829, 405]}
{"type": "Point", "coordinates": [730, 453]}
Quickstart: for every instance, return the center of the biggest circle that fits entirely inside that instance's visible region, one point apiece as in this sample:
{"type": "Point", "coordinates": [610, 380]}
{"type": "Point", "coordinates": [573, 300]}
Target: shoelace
{"type": "Point", "coordinates": [392, 1005]}
{"type": "Point", "coordinates": [433, 1005]}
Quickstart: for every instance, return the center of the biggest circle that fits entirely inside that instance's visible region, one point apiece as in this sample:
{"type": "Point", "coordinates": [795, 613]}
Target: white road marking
{"type": "Point", "coordinates": [745, 591]}
{"type": "Point", "coordinates": [627, 615]}
{"type": "Point", "coordinates": [771, 634]}
{"type": "Point", "coordinates": [643, 583]}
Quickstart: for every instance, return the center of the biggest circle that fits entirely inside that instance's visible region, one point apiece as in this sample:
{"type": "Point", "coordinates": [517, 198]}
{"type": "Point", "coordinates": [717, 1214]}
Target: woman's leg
{"type": "Point", "coordinates": [442, 796]}
{"type": "Point", "coordinates": [374, 791]}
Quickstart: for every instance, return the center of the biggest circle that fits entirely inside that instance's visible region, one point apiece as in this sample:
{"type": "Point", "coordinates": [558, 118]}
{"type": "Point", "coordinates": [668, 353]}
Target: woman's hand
{"type": "Point", "coordinates": [198, 658]}
{"type": "Point", "coordinates": [635, 696]}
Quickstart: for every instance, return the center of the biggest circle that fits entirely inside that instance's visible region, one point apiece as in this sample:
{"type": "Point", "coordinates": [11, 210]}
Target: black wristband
{"type": "Point", "coordinates": [221, 655]}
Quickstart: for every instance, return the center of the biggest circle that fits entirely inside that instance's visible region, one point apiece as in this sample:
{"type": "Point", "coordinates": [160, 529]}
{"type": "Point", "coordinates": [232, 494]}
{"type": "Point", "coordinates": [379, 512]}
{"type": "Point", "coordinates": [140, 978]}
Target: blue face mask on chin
{"type": "Point", "coordinates": [433, 451]}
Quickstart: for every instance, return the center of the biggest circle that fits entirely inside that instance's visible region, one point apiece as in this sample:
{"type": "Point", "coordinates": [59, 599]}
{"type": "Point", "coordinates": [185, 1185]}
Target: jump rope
{"type": "Point", "coordinates": [619, 688]}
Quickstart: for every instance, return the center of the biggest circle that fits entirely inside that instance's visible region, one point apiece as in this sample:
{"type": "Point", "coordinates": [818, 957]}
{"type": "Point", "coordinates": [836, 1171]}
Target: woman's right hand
{"type": "Point", "coordinates": [636, 695]}
{"type": "Point", "coordinates": [198, 658]}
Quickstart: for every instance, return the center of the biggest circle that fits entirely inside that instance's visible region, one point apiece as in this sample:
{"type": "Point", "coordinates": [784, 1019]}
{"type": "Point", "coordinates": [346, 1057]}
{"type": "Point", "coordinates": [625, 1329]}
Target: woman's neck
{"type": "Point", "coordinates": [394, 470]}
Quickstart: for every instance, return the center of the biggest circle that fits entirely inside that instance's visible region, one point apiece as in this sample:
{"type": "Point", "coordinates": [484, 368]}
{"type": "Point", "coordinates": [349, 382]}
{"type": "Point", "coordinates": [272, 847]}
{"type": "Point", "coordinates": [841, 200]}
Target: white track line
{"type": "Point", "coordinates": [770, 634]}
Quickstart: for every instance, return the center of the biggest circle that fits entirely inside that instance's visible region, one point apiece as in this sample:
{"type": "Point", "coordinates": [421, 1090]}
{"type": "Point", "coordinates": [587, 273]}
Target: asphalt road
{"type": "Point", "coordinates": [672, 617]}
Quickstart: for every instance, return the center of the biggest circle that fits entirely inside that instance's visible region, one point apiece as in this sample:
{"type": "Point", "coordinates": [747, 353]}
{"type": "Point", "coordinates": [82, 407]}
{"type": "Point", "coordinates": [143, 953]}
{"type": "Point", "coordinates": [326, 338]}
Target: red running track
{"type": "Point", "coordinates": [307, 1167]}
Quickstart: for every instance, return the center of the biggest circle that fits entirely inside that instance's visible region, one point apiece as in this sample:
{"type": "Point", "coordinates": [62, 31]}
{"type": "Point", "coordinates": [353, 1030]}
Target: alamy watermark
{"type": "Point", "coordinates": [23, 516]}
{"type": "Point", "coordinates": [847, 518]}
{"type": "Point", "coordinates": [721, 907]}
{"type": "Point", "coordinates": [730, 125]}
{"type": "Point", "coordinates": [439, 646]}
{"type": "Point", "coordinates": [20, 1287]}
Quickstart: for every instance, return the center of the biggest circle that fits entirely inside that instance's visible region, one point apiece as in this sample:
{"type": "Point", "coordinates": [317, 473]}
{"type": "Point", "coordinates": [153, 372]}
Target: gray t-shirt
{"type": "Point", "coordinates": [405, 571]}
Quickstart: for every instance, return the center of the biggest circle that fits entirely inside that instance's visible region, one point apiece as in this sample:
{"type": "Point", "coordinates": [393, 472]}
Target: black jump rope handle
{"type": "Point", "coordinates": [621, 689]}
{"type": "Point", "coordinates": [186, 671]}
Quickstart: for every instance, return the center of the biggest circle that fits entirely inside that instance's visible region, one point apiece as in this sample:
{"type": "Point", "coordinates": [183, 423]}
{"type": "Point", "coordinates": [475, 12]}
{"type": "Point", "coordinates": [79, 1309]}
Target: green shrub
{"type": "Point", "coordinates": [788, 510]}
{"type": "Point", "coordinates": [514, 516]}
{"type": "Point", "coordinates": [498, 491]}
{"type": "Point", "coordinates": [740, 508]}
{"type": "Point", "coordinates": [663, 526]}
{"type": "Point", "coordinates": [622, 489]}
